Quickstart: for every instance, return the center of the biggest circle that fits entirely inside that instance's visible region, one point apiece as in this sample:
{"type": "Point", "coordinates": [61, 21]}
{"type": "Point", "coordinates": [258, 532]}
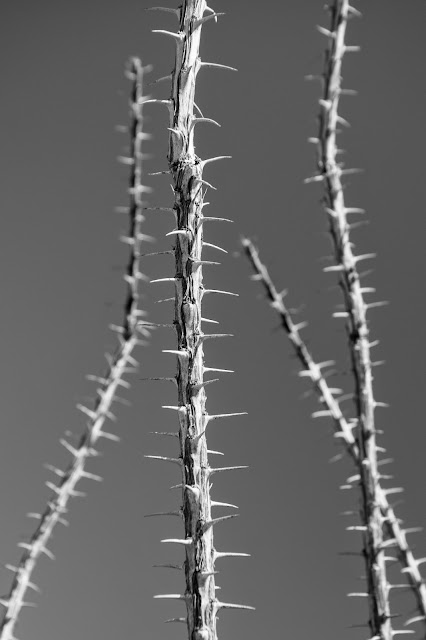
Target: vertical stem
{"type": "Point", "coordinates": [356, 309]}
{"type": "Point", "coordinates": [186, 171]}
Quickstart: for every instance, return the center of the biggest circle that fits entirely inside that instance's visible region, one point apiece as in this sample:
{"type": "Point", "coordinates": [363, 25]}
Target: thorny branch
{"type": "Point", "coordinates": [120, 363]}
{"type": "Point", "coordinates": [186, 170]}
{"type": "Point", "coordinates": [396, 535]}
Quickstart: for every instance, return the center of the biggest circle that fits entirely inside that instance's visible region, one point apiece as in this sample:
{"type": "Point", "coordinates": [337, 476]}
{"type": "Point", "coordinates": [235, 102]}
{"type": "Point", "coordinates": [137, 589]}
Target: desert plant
{"type": "Point", "coordinates": [270, 495]}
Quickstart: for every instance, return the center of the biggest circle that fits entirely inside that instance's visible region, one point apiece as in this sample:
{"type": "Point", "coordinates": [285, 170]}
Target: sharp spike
{"type": "Point", "coordinates": [196, 387]}
{"type": "Point", "coordinates": [210, 523]}
{"type": "Point", "coordinates": [218, 66]}
{"type": "Point", "coordinates": [109, 436]}
{"type": "Point", "coordinates": [168, 566]}
{"type": "Point", "coordinates": [145, 323]}
{"type": "Point", "coordinates": [47, 553]}
{"type": "Point", "coordinates": [211, 321]}
{"type": "Point", "coordinates": [197, 120]}
{"type": "Point", "coordinates": [413, 530]}
{"type": "Point", "coordinates": [91, 414]}
{"type": "Point", "coordinates": [227, 293]}
{"type": "Point", "coordinates": [220, 469]}
{"type": "Point", "coordinates": [164, 280]}
{"type": "Point", "coordinates": [181, 353]}
{"type": "Point", "coordinates": [224, 415]}
{"type": "Point", "coordinates": [179, 232]}
{"type": "Point", "coordinates": [215, 453]}
{"type": "Point", "coordinates": [206, 183]}
{"type": "Point", "coordinates": [213, 219]}
{"type": "Point", "coordinates": [230, 554]}
{"type": "Point", "coordinates": [97, 379]}
{"type": "Point", "coordinates": [326, 32]}
{"type": "Point", "coordinates": [213, 246]}
{"type": "Point", "coordinates": [211, 16]}
{"type": "Point", "coordinates": [364, 256]}
{"type": "Point", "coordinates": [165, 300]}
{"type": "Point", "coordinates": [414, 619]}
{"type": "Point", "coordinates": [206, 369]}
{"type": "Point", "coordinates": [181, 408]}
{"type": "Point", "coordinates": [91, 476]}
{"type": "Point", "coordinates": [184, 541]}
{"type": "Point", "coordinates": [178, 37]}
{"type": "Point", "coordinates": [208, 160]}
{"type": "Point", "coordinates": [352, 48]}
{"type": "Point", "coordinates": [165, 459]}
{"type": "Point", "coordinates": [228, 605]}
{"type": "Point", "coordinates": [164, 433]}
{"type": "Point", "coordinates": [175, 620]}
{"type": "Point", "coordinates": [162, 79]}
{"type": "Point", "coordinates": [55, 470]}
{"type": "Point", "coordinates": [163, 513]}
{"type": "Point", "coordinates": [170, 596]}
{"type": "Point", "coordinates": [161, 379]}
{"type": "Point", "coordinates": [169, 10]}
{"type": "Point", "coordinates": [215, 503]}
{"type": "Point", "coordinates": [323, 413]}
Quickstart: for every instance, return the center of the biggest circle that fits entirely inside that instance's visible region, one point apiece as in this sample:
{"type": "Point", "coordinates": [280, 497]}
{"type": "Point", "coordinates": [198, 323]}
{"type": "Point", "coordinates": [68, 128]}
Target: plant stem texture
{"type": "Point", "coordinates": [330, 173]}
{"type": "Point", "coordinates": [119, 364]}
{"type": "Point", "coordinates": [186, 170]}
{"type": "Point", "coordinates": [396, 534]}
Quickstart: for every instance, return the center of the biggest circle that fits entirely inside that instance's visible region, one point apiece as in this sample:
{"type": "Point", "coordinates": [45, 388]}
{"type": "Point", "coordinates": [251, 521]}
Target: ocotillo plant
{"type": "Point", "coordinates": [287, 521]}
{"type": "Point", "coordinates": [358, 433]}
{"type": "Point", "coordinates": [186, 170]}
{"type": "Point", "coordinates": [120, 363]}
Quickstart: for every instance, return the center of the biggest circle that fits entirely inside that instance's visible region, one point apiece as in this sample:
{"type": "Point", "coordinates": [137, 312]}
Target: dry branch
{"type": "Point", "coordinates": [186, 171]}
{"type": "Point", "coordinates": [120, 363]}
{"type": "Point", "coordinates": [396, 534]}
{"type": "Point", "coordinates": [330, 174]}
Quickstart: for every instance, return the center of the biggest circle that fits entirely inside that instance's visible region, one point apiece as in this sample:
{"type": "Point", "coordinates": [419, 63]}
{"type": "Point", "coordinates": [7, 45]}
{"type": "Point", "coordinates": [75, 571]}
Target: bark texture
{"type": "Point", "coordinates": [186, 170]}
{"type": "Point", "coordinates": [395, 531]}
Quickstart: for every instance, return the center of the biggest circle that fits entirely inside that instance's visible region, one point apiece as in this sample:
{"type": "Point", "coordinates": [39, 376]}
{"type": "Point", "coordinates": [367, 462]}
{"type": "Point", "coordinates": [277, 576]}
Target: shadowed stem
{"type": "Point", "coordinates": [343, 428]}
{"type": "Point", "coordinates": [120, 363]}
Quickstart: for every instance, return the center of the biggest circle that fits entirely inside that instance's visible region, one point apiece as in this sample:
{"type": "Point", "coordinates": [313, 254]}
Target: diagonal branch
{"type": "Point", "coordinates": [343, 427]}
{"type": "Point", "coordinates": [120, 363]}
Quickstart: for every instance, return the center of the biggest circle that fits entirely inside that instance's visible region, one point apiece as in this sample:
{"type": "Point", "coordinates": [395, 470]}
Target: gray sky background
{"type": "Point", "coordinates": [61, 282]}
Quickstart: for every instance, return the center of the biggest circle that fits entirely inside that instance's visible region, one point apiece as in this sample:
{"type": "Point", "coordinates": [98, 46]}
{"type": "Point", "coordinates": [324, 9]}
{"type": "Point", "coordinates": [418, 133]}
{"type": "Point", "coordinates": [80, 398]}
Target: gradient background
{"type": "Point", "coordinates": [61, 266]}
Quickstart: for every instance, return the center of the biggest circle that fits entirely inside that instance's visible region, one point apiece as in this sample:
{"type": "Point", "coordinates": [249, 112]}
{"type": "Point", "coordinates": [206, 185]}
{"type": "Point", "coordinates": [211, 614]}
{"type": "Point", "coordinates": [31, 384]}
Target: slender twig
{"type": "Point", "coordinates": [186, 170]}
{"type": "Point", "coordinates": [120, 363]}
{"type": "Point", "coordinates": [343, 427]}
{"type": "Point", "coordinates": [330, 174]}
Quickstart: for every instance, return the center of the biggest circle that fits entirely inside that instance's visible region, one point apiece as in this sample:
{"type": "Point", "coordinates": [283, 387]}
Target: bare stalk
{"type": "Point", "coordinates": [186, 170]}
{"type": "Point", "coordinates": [396, 535]}
{"type": "Point", "coordinates": [330, 174]}
{"type": "Point", "coordinates": [120, 363]}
